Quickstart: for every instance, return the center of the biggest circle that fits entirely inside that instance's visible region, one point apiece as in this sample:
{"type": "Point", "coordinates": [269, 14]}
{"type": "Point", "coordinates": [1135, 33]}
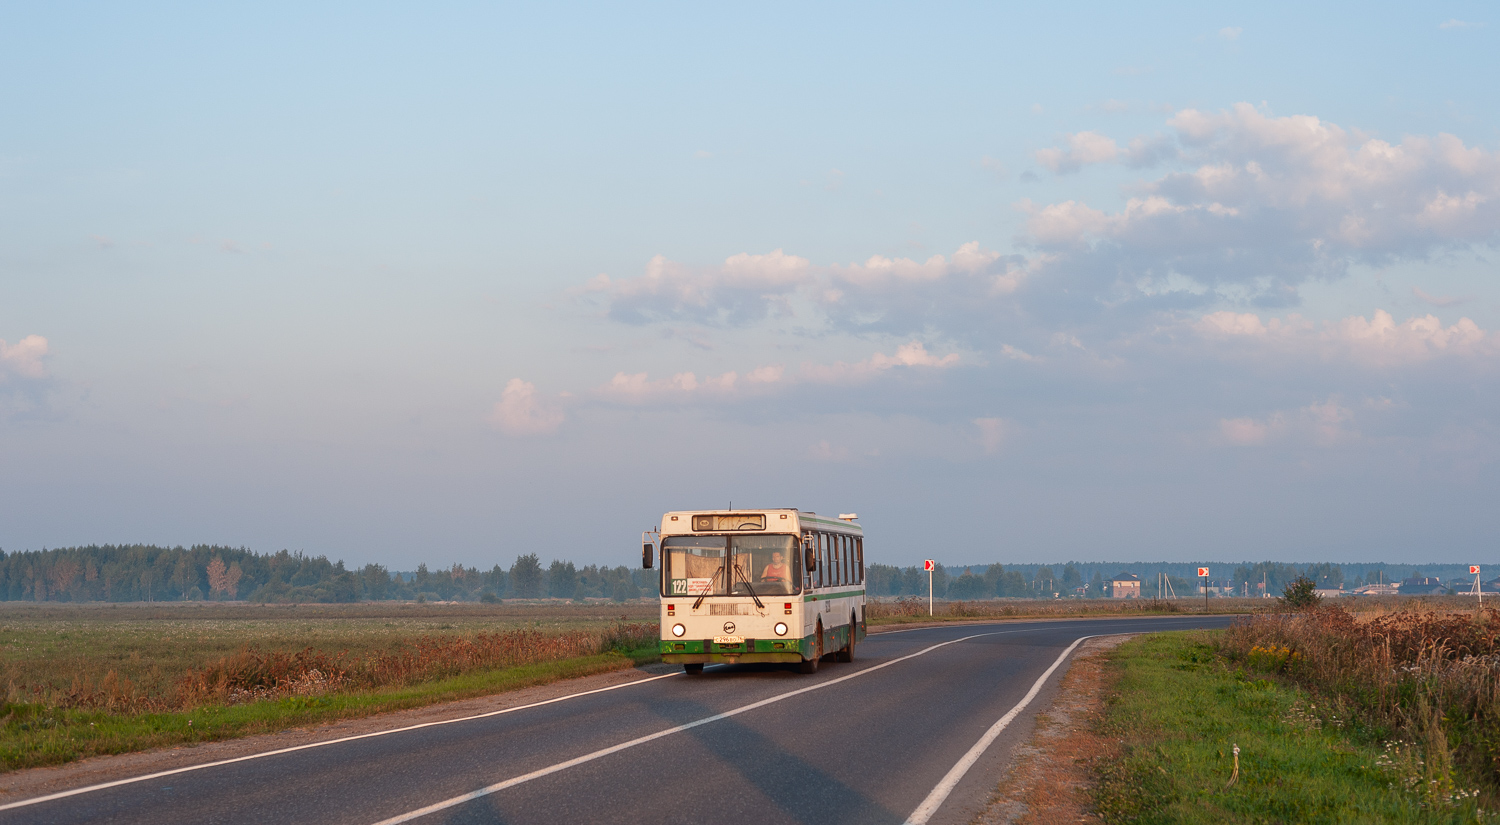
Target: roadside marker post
{"type": "Point", "coordinates": [1478, 590]}
{"type": "Point", "coordinates": [929, 565]}
{"type": "Point", "coordinates": [1203, 574]}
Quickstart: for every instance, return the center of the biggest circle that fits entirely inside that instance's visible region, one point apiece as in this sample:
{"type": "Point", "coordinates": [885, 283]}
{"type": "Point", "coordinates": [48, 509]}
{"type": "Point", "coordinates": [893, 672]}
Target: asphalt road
{"type": "Point", "coordinates": [863, 743]}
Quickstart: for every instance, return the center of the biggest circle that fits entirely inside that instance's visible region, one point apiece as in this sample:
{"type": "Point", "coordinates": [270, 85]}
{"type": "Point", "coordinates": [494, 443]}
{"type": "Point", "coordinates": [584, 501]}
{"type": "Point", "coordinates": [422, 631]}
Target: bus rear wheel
{"type": "Point", "coordinates": [693, 669]}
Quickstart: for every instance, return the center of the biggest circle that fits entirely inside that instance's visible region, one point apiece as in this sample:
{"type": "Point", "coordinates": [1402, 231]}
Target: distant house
{"type": "Point", "coordinates": [1422, 586]}
{"type": "Point", "coordinates": [1375, 590]}
{"type": "Point", "coordinates": [1125, 586]}
{"type": "Point", "coordinates": [1329, 592]}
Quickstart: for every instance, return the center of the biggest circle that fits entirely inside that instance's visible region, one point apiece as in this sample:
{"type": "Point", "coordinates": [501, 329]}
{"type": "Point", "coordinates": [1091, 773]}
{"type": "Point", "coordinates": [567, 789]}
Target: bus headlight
{"type": "Point", "coordinates": [781, 628]}
{"type": "Point", "coordinates": [678, 630]}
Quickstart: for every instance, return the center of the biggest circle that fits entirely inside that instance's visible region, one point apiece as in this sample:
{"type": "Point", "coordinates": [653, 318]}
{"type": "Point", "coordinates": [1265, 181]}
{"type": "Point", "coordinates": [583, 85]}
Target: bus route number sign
{"type": "Point", "coordinates": [929, 565]}
{"type": "Point", "coordinates": [1203, 572]}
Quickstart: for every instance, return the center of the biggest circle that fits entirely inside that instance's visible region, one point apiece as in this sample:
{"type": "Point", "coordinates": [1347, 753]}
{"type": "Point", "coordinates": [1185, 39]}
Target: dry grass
{"type": "Point", "coordinates": [1427, 679]}
{"type": "Point", "coordinates": [129, 658]}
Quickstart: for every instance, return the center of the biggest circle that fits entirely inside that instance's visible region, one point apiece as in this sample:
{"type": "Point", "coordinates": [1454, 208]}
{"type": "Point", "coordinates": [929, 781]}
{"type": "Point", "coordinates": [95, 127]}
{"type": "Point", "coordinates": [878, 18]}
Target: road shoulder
{"type": "Point", "coordinates": [1051, 776]}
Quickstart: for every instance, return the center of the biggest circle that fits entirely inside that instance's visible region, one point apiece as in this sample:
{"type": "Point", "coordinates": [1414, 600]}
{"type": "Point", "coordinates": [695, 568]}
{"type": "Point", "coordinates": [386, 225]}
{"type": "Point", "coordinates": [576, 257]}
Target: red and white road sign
{"type": "Point", "coordinates": [1473, 570]}
{"type": "Point", "coordinates": [929, 565]}
{"type": "Point", "coordinates": [1203, 572]}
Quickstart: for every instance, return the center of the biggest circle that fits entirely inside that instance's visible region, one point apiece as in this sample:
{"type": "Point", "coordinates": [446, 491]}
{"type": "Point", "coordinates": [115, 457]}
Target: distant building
{"type": "Point", "coordinates": [1125, 586]}
{"type": "Point", "coordinates": [1375, 590]}
{"type": "Point", "coordinates": [1329, 592]}
{"type": "Point", "coordinates": [1422, 586]}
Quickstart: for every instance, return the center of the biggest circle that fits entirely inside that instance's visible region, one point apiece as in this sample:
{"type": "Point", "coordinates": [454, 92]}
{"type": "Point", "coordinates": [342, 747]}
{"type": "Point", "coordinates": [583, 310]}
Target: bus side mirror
{"type": "Point", "coordinates": [648, 555]}
{"type": "Point", "coordinates": [809, 559]}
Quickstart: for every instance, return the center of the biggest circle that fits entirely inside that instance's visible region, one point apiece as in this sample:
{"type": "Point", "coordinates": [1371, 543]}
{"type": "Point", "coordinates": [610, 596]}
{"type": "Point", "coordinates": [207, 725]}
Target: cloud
{"type": "Point", "coordinates": [1265, 204]}
{"type": "Point", "coordinates": [743, 289]}
{"type": "Point", "coordinates": [898, 296]}
{"type": "Point", "coordinates": [1231, 32]}
{"type": "Point", "coordinates": [1083, 149]}
{"type": "Point", "coordinates": [1435, 300]}
{"type": "Point", "coordinates": [1377, 340]}
{"type": "Point", "coordinates": [23, 359]}
{"type": "Point", "coordinates": [991, 434]}
{"type": "Point", "coordinates": [520, 412]}
{"type": "Point", "coordinates": [823, 451]}
{"type": "Point", "coordinates": [1455, 23]}
{"type": "Point", "coordinates": [640, 388]}
{"type": "Point", "coordinates": [913, 354]}
{"type": "Point", "coordinates": [1325, 423]}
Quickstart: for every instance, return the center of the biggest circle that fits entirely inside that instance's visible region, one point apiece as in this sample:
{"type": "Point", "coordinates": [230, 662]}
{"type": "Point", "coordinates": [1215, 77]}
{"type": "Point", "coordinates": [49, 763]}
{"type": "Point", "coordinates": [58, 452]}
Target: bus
{"type": "Point", "coordinates": [746, 586]}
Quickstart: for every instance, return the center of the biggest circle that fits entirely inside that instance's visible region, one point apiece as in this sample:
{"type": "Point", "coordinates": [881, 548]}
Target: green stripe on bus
{"type": "Point", "coordinates": [843, 594]}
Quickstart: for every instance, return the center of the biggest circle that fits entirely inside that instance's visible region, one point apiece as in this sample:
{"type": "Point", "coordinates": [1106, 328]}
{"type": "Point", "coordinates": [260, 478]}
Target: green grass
{"type": "Point", "coordinates": [34, 735]}
{"type": "Point", "coordinates": [1178, 711]}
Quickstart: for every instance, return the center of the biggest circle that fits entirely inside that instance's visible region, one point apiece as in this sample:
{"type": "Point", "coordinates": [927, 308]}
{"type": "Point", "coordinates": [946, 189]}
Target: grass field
{"type": "Point", "coordinates": [91, 679]}
{"type": "Point", "coordinates": [1180, 708]}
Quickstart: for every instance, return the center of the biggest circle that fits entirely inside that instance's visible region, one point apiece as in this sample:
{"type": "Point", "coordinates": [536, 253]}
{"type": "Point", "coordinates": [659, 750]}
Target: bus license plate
{"type": "Point", "coordinates": [729, 640]}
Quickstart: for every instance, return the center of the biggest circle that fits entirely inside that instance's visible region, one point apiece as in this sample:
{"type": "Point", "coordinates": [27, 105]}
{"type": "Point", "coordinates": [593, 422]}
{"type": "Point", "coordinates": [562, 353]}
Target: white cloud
{"type": "Point", "coordinates": [1324, 423]}
{"type": "Point", "coordinates": [1455, 23]}
{"type": "Point", "coordinates": [991, 433]}
{"type": "Point", "coordinates": [24, 358]}
{"type": "Point", "coordinates": [744, 288]}
{"type": "Point", "coordinates": [520, 412]}
{"type": "Point", "coordinates": [1378, 339]}
{"type": "Point", "coordinates": [1435, 300]}
{"type": "Point", "coordinates": [1265, 204]}
{"type": "Point", "coordinates": [1083, 149]}
{"type": "Point", "coordinates": [641, 388]}
{"type": "Point", "coordinates": [824, 451]}
{"type": "Point", "coordinates": [1231, 32]}
{"type": "Point", "coordinates": [912, 354]}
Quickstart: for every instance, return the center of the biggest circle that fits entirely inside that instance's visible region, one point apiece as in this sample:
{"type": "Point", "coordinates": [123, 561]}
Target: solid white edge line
{"type": "Point", "coordinates": [145, 777]}
{"type": "Point", "coordinates": [589, 757]}
{"type": "Point", "coordinates": [950, 781]}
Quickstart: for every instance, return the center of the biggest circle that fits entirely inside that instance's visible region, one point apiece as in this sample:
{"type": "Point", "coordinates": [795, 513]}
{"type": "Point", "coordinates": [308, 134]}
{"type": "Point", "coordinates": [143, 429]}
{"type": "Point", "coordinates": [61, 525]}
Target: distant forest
{"type": "Point", "coordinates": [1042, 580]}
{"type": "Point", "coordinates": [137, 573]}
{"type": "Point", "coordinates": [133, 573]}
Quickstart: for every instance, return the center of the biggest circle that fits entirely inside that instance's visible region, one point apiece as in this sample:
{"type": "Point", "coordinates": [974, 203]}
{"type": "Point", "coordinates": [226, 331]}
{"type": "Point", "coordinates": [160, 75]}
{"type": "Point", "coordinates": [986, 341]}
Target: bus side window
{"type": "Point", "coordinates": [859, 554]}
{"type": "Point", "coordinates": [822, 560]}
{"type": "Point", "coordinates": [849, 559]}
{"type": "Point", "coordinates": [828, 578]}
{"type": "Point", "coordinates": [843, 560]}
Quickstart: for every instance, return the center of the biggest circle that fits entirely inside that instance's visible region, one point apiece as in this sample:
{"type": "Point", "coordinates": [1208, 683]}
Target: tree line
{"type": "Point", "coordinates": [143, 572]}
{"type": "Point", "coordinates": [140, 572]}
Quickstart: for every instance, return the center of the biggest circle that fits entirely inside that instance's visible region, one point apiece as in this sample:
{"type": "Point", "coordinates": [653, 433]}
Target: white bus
{"type": "Point", "coordinates": [759, 586]}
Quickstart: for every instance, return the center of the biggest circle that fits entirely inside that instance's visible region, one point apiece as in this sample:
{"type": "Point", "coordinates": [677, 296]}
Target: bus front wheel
{"type": "Point", "coordinates": [846, 654]}
{"type": "Point", "coordinates": [811, 665]}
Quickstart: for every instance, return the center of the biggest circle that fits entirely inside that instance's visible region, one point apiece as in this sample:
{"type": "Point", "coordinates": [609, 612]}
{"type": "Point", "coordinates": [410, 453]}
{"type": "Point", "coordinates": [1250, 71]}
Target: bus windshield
{"type": "Point", "coordinates": [765, 565]}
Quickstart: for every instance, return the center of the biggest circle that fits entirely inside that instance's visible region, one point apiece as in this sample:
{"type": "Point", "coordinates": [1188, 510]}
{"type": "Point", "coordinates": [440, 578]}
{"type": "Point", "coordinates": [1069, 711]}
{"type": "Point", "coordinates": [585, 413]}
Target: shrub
{"type": "Point", "coordinates": [1301, 594]}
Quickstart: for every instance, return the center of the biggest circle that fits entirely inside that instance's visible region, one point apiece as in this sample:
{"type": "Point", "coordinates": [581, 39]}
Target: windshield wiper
{"type": "Point", "coordinates": [704, 594]}
{"type": "Point", "coordinates": [746, 579]}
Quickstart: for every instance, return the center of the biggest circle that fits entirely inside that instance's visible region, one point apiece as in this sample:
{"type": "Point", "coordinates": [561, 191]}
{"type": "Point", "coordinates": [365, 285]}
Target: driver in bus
{"type": "Point", "coordinates": [777, 571]}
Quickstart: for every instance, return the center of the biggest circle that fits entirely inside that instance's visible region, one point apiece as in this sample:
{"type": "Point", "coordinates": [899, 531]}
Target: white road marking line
{"type": "Point", "coordinates": [589, 757]}
{"type": "Point", "coordinates": [74, 792]}
{"type": "Point", "coordinates": [940, 793]}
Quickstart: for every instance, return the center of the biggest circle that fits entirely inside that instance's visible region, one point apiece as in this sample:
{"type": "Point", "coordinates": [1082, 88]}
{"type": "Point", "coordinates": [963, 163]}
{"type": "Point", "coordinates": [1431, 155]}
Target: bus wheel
{"type": "Point", "coordinates": [693, 669]}
{"type": "Point", "coordinates": [847, 653]}
{"type": "Point", "coordinates": [811, 665]}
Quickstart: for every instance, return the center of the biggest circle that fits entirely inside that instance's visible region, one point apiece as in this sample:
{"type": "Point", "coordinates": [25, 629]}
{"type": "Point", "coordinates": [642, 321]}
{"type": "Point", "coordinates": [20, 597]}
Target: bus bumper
{"type": "Point", "coordinates": [705, 651]}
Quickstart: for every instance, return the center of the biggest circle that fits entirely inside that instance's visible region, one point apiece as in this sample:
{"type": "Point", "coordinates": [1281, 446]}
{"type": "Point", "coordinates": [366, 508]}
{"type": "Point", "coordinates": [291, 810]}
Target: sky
{"type": "Point", "coordinates": [450, 283]}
